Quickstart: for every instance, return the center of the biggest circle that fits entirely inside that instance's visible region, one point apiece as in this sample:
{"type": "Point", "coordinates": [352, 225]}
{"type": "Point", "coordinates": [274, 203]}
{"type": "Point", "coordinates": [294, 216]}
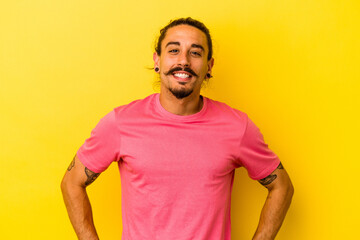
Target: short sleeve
{"type": "Point", "coordinates": [255, 154]}
{"type": "Point", "coordinates": [102, 147]}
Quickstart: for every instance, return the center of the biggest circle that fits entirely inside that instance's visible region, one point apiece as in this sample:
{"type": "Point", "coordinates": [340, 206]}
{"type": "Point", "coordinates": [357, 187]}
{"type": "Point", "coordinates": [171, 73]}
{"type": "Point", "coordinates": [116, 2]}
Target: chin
{"type": "Point", "coordinates": [181, 93]}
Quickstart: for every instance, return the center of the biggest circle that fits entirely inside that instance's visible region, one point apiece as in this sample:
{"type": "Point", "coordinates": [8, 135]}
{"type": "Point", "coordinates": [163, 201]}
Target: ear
{"type": "Point", "coordinates": [210, 65]}
{"type": "Point", "coordinates": [156, 59]}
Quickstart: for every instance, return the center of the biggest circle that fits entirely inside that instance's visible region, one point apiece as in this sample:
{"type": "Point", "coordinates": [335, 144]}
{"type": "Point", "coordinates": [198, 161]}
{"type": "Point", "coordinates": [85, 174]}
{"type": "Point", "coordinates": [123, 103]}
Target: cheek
{"type": "Point", "coordinates": [166, 60]}
{"type": "Point", "coordinates": [203, 69]}
{"type": "Point", "coordinates": [165, 66]}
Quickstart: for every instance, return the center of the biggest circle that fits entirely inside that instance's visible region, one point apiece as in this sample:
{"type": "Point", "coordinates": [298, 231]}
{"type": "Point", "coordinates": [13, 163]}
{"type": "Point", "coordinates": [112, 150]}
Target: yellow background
{"type": "Point", "coordinates": [293, 66]}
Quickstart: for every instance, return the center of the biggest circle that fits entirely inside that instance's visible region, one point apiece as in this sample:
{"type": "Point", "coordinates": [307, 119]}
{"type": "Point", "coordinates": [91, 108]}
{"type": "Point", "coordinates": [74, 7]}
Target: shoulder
{"type": "Point", "coordinates": [225, 111]}
{"type": "Point", "coordinates": [134, 107]}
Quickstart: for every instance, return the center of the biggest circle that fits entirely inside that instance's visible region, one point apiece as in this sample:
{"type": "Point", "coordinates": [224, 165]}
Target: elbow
{"type": "Point", "coordinates": [290, 191]}
{"type": "Point", "coordinates": [69, 185]}
{"type": "Point", "coordinates": [286, 190]}
{"type": "Point", "coordinates": [63, 185]}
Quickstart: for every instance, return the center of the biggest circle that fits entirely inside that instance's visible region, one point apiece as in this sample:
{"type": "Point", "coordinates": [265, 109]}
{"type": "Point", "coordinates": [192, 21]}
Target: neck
{"type": "Point", "coordinates": [185, 106]}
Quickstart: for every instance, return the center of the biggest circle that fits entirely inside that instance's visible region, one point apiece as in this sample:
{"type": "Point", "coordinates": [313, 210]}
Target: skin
{"type": "Point", "coordinates": [280, 193]}
{"type": "Point", "coordinates": [73, 187]}
{"type": "Point", "coordinates": [184, 47]}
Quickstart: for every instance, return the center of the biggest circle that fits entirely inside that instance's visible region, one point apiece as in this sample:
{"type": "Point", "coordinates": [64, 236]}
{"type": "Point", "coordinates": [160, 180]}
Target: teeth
{"type": "Point", "coordinates": [181, 75]}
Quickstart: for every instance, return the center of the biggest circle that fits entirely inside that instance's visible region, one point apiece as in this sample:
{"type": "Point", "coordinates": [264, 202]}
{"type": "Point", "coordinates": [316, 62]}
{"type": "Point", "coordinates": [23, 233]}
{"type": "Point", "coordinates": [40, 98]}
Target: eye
{"type": "Point", "coordinates": [198, 54]}
{"type": "Point", "coordinates": [173, 51]}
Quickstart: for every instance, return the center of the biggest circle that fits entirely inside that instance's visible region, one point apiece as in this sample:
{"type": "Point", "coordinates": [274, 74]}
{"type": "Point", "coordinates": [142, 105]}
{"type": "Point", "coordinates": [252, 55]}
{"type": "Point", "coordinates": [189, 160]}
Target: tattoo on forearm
{"type": "Point", "coordinates": [269, 179]}
{"type": "Point", "coordinates": [91, 176]}
{"type": "Point", "coordinates": [72, 164]}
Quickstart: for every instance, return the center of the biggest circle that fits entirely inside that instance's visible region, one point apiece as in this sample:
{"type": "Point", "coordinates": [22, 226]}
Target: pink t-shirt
{"type": "Point", "coordinates": [177, 171]}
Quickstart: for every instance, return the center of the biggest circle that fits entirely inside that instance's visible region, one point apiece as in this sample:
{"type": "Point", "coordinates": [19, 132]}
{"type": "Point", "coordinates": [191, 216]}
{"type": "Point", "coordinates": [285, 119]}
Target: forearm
{"type": "Point", "coordinates": [79, 210]}
{"type": "Point", "coordinates": [273, 213]}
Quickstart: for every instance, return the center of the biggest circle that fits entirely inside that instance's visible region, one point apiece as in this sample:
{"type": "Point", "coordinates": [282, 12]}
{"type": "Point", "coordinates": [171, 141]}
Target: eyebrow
{"type": "Point", "coordinates": [192, 45]}
{"type": "Point", "coordinates": [174, 43]}
{"type": "Point", "coordinates": [197, 46]}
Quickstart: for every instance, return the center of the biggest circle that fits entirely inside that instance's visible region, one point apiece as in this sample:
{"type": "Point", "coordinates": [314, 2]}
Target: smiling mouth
{"type": "Point", "coordinates": [182, 76]}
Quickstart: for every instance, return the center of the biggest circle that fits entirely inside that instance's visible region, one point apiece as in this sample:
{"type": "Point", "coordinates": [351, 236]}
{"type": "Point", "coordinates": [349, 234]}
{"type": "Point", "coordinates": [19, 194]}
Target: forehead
{"type": "Point", "coordinates": [185, 34]}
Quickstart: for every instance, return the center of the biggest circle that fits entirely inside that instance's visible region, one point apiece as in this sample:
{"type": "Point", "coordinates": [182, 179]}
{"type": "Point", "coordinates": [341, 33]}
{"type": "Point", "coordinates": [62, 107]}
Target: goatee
{"type": "Point", "coordinates": [181, 93]}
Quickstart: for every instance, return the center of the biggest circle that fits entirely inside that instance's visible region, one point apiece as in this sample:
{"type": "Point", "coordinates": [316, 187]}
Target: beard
{"type": "Point", "coordinates": [181, 93]}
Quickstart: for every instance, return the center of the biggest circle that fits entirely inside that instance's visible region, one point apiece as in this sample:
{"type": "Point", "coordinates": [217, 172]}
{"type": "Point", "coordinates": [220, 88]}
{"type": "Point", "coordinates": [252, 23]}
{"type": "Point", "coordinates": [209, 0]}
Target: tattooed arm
{"type": "Point", "coordinates": [73, 187]}
{"type": "Point", "coordinates": [280, 192]}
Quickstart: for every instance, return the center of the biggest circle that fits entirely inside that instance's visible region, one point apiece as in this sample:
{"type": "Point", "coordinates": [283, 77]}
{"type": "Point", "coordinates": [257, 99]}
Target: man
{"type": "Point", "coordinates": [177, 152]}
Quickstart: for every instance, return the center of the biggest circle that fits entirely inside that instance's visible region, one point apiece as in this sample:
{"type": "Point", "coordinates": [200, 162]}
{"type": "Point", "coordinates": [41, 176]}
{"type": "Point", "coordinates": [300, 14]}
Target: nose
{"type": "Point", "coordinates": [183, 59]}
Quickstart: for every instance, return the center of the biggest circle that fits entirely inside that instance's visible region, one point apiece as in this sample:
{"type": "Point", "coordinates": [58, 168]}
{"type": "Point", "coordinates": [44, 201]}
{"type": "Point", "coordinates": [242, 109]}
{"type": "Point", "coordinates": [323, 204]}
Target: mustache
{"type": "Point", "coordinates": [186, 69]}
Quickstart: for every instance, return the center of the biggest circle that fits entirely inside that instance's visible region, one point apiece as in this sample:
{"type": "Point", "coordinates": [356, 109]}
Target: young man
{"type": "Point", "coordinates": [177, 152]}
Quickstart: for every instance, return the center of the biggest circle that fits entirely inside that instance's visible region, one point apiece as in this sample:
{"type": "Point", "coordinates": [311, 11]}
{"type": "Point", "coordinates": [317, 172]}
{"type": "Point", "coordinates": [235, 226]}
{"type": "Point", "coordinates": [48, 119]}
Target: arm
{"type": "Point", "coordinates": [73, 187]}
{"type": "Point", "coordinates": [280, 192]}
